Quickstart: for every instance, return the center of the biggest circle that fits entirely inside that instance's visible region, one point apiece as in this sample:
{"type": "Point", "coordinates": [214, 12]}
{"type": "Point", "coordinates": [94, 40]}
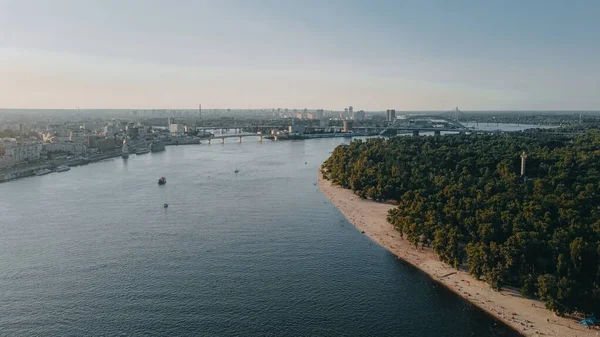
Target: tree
{"type": "Point", "coordinates": [547, 291]}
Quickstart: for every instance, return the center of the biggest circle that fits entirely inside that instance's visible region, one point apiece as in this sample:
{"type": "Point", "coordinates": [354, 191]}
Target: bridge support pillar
{"type": "Point", "coordinates": [437, 133]}
{"type": "Point", "coordinates": [260, 138]}
{"type": "Point", "coordinates": [415, 133]}
{"type": "Point", "coordinates": [209, 141]}
{"type": "Point", "coordinates": [274, 137]}
{"type": "Point", "coordinates": [239, 139]}
{"type": "Point", "coordinates": [222, 140]}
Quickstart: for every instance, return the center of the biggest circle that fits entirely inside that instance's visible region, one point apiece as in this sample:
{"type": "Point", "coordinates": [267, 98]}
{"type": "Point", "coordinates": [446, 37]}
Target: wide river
{"type": "Point", "coordinates": [92, 252]}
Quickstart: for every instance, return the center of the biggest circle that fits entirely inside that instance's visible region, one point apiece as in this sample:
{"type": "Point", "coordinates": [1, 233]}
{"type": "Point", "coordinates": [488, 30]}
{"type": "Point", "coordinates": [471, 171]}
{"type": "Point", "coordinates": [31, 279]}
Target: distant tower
{"type": "Point", "coordinates": [391, 115]}
{"type": "Point", "coordinates": [523, 157]}
{"type": "Point", "coordinates": [200, 110]}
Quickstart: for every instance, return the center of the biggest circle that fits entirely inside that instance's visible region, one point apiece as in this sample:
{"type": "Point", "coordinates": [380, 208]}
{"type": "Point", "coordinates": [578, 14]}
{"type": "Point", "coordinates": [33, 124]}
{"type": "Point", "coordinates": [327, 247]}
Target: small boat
{"type": "Point", "coordinates": [236, 171]}
{"type": "Point", "coordinates": [166, 205]}
{"type": "Point", "coordinates": [62, 168]}
{"type": "Point", "coordinates": [42, 172]}
{"type": "Point", "coordinates": [162, 181]}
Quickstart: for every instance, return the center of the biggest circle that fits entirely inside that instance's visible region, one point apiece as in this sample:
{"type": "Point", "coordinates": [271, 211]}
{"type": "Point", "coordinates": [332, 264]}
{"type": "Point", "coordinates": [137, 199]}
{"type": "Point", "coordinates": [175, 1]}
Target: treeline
{"type": "Point", "coordinates": [464, 197]}
{"type": "Point", "coordinates": [547, 118]}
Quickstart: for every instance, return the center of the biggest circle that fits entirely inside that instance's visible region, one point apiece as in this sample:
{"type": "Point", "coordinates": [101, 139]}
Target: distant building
{"type": "Point", "coordinates": [77, 136]}
{"type": "Point", "coordinates": [52, 138]}
{"type": "Point", "coordinates": [299, 115]}
{"type": "Point", "coordinates": [91, 126]}
{"type": "Point", "coordinates": [347, 126]}
{"type": "Point", "coordinates": [102, 143]}
{"type": "Point", "coordinates": [110, 130]}
{"type": "Point", "coordinates": [297, 129]}
{"type": "Point", "coordinates": [323, 122]}
{"type": "Point", "coordinates": [68, 147]}
{"type": "Point", "coordinates": [320, 113]}
{"type": "Point", "coordinates": [391, 115]}
{"type": "Point", "coordinates": [351, 112]}
{"type": "Point", "coordinates": [176, 129]}
{"type": "Point", "coordinates": [14, 153]}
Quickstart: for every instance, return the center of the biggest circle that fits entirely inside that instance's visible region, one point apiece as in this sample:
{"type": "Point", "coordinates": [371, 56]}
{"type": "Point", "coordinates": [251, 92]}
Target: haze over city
{"type": "Point", "coordinates": [376, 55]}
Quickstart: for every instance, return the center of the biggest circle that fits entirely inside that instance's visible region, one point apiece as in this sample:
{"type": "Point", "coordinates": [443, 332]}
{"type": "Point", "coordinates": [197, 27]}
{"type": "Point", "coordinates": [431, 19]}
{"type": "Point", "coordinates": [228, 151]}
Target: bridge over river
{"type": "Point", "coordinates": [239, 136]}
{"type": "Point", "coordinates": [416, 124]}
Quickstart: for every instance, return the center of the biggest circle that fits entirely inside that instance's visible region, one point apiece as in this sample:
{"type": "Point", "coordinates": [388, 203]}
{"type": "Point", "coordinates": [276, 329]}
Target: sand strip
{"type": "Point", "coordinates": [527, 316]}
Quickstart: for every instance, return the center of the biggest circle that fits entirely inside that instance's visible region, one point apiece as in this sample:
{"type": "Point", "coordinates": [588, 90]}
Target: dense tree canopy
{"type": "Point", "coordinates": [464, 197]}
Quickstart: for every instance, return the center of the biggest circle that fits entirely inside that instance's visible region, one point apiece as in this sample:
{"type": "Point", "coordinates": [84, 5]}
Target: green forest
{"type": "Point", "coordinates": [463, 196]}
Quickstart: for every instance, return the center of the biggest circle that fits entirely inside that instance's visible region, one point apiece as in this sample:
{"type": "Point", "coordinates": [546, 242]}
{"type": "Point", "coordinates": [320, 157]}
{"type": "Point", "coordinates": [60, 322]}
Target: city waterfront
{"type": "Point", "coordinates": [93, 252]}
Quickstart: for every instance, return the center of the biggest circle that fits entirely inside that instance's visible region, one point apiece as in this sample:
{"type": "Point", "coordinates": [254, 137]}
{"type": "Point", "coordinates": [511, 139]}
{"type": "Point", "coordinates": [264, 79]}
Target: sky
{"type": "Point", "coordinates": [250, 54]}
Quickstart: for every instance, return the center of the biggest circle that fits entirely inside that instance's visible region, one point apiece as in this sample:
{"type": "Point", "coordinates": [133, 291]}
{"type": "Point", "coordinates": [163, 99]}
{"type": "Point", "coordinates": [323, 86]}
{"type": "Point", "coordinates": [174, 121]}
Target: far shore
{"type": "Point", "coordinates": [527, 316]}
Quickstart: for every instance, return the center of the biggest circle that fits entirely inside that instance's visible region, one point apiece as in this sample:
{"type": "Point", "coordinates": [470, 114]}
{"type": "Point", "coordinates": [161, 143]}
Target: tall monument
{"type": "Point", "coordinates": [523, 157]}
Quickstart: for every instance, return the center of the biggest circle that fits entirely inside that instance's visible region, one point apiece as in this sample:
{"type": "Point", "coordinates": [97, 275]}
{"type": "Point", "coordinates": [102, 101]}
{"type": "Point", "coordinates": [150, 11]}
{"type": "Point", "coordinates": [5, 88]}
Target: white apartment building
{"type": "Point", "coordinates": [15, 153]}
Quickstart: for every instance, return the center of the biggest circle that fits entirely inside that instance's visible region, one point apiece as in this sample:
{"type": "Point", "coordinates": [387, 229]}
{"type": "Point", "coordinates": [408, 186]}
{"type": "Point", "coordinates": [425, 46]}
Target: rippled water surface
{"type": "Point", "coordinates": [92, 252]}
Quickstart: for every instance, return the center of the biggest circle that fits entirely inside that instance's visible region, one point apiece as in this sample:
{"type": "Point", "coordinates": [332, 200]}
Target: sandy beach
{"type": "Point", "coordinates": [527, 316]}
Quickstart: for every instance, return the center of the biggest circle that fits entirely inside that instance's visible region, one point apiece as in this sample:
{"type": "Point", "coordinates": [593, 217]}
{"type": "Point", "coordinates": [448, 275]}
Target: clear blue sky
{"type": "Point", "coordinates": [377, 54]}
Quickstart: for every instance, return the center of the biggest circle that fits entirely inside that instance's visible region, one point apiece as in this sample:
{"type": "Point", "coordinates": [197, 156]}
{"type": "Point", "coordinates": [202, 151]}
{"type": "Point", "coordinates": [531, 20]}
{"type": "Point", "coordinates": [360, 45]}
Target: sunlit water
{"type": "Point", "coordinates": [92, 252]}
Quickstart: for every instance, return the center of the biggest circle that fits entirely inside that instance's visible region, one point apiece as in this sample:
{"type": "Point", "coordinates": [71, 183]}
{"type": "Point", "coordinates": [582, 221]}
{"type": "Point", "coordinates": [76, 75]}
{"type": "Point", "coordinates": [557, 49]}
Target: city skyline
{"type": "Point", "coordinates": [374, 55]}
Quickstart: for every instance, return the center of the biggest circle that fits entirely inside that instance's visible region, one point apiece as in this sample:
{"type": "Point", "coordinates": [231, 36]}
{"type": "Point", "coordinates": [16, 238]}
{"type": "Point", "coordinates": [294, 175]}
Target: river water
{"type": "Point", "coordinates": [92, 252]}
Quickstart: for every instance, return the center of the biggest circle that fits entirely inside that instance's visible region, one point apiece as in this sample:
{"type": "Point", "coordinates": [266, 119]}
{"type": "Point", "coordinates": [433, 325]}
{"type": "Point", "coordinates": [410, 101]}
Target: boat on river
{"type": "Point", "coordinates": [162, 181]}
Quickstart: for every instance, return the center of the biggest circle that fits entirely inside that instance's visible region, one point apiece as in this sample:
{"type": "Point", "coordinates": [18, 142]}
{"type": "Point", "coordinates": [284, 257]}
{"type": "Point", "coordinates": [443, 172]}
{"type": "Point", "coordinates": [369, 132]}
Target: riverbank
{"type": "Point", "coordinates": [527, 316]}
{"type": "Point", "coordinates": [28, 171]}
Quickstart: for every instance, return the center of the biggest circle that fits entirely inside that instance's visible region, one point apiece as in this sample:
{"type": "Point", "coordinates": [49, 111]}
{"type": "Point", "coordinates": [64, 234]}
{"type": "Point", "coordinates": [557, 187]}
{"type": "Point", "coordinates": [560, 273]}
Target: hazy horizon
{"type": "Point", "coordinates": [234, 110]}
{"type": "Point", "coordinates": [373, 55]}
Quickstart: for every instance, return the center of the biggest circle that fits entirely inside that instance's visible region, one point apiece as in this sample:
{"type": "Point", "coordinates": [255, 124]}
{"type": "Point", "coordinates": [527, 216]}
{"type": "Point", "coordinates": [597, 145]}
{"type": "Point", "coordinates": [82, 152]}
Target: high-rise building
{"type": "Point", "coordinates": [351, 112]}
{"type": "Point", "coordinates": [319, 114]}
{"type": "Point", "coordinates": [391, 115]}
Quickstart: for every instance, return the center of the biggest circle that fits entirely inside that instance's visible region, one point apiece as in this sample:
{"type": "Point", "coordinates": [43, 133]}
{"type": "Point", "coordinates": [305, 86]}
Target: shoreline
{"type": "Point", "coordinates": [15, 172]}
{"type": "Point", "coordinates": [528, 317]}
